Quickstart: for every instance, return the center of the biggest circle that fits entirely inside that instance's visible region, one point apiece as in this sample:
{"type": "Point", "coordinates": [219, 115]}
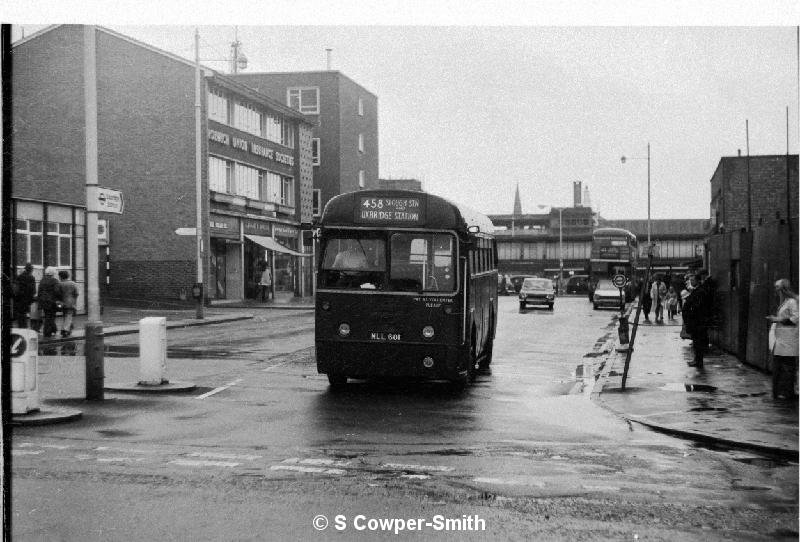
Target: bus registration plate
{"type": "Point", "coordinates": [381, 336]}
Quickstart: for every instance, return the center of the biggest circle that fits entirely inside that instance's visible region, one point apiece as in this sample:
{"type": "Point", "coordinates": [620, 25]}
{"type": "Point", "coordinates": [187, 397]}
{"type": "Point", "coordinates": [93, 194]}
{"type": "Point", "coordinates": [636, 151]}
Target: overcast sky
{"type": "Point", "coordinates": [471, 109]}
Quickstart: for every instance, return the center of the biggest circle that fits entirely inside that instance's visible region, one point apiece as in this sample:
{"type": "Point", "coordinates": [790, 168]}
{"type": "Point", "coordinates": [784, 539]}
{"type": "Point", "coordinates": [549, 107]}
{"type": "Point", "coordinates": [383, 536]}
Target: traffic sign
{"type": "Point", "coordinates": [106, 200]}
{"type": "Point", "coordinates": [619, 281]}
{"type": "Point", "coordinates": [18, 345]}
{"type": "Point", "coordinates": [186, 231]}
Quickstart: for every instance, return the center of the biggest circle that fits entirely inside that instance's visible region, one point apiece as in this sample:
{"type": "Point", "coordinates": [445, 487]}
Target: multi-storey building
{"type": "Point", "coordinates": [255, 182]}
{"type": "Point", "coordinates": [345, 119]}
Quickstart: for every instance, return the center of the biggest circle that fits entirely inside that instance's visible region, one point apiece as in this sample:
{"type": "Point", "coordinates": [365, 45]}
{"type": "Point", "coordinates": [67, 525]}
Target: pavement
{"type": "Point", "coordinates": [725, 404]}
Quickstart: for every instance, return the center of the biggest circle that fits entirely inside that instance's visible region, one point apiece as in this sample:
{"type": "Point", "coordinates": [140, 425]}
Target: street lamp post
{"type": "Point", "coordinates": [560, 250]}
{"type": "Point", "coordinates": [623, 159]}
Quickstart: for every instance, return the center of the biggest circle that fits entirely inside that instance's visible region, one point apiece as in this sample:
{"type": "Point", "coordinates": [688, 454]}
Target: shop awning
{"type": "Point", "coordinates": [271, 244]}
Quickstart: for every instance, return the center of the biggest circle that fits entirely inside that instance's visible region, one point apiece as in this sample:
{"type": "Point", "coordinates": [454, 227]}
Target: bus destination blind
{"type": "Point", "coordinates": [389, 210]}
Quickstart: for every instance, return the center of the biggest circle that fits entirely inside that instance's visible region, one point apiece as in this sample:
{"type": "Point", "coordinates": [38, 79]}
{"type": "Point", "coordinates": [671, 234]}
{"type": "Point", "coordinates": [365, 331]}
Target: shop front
{"type": "Point", "coordinates": [277, 250]}
{"type": "Point", "coordinates": [225, 269]}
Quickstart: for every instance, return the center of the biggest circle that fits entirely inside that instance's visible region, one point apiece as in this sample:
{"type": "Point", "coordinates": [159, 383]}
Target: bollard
{"type": "Point", "coordinates": [24, 371]}
{"type": "Point", "coordinates": [623, 330]}
{"type": "Point", "coordinates": [94, 361]}
{"type": "Point", "coordinates": [153, 351]}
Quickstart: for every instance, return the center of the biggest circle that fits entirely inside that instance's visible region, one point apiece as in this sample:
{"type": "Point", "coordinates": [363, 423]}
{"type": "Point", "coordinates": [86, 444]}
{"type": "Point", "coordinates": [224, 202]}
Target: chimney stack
{"type": "Point", "coordinates": [329, 60]}
{"type": "Point", "coordinates": [576, 194]}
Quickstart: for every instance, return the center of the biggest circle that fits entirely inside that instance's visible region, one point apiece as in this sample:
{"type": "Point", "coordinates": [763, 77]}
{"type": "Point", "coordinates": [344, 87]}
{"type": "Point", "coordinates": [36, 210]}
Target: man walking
{"type": "Point", "coordinates": [695, 316]}
{"type": "Point", "coordinates": [24, 293]}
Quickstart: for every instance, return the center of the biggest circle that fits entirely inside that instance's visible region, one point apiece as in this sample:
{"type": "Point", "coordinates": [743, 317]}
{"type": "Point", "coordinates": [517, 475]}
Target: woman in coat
{"type": "Point", "coordinates": [69, 298]}
{"type": "Point", "coordinates": [784, 349]}
{"type": "Point", "coordinates": [48, 297]}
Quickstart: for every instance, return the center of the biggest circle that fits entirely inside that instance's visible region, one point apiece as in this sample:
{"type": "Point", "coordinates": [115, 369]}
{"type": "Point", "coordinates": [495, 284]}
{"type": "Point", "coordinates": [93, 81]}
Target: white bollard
{"type": "Point", "coordinates": [153, 351]}
{"type": "Point", "coordinates": [24, 371]}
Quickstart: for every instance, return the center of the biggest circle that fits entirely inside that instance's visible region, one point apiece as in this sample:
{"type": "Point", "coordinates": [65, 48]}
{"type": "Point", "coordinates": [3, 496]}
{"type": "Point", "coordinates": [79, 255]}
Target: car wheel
{"type": "Point", "coordinates": [550, 306]}
{"type": "Point", "coordinates": [595, 306]}
{"type": "Point", "coordinates": [522, 306]}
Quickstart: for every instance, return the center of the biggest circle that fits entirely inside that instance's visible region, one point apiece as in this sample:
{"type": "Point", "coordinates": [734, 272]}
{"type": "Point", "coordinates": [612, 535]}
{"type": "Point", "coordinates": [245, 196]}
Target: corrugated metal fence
{"type": "Point", "coordinates": [745, 266]}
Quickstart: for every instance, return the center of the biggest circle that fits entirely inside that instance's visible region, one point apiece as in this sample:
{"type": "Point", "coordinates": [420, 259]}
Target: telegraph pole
{"type": "Point", "coordinates": [198, 168]}
{"type": "Point", "coordinates": [94, 326]}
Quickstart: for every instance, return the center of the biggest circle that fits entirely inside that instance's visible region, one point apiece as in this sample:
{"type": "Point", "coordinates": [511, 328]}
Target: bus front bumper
{"type": "Point", "coordinates": [360, 359]}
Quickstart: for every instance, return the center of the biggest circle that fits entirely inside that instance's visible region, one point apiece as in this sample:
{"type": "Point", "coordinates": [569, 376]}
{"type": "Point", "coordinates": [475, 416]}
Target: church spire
{"type": "Point", "coordinates": [517, 203]}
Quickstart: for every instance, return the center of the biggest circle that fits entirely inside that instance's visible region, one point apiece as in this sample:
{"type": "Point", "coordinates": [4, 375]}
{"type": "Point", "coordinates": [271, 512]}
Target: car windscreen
{"type": "Point", "coordinates": [538, 284]}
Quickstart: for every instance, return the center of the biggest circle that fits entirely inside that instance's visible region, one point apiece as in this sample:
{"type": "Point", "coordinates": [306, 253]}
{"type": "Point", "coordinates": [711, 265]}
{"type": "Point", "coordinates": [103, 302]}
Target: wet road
{"type": "Point", "coordinates": [263, 440]}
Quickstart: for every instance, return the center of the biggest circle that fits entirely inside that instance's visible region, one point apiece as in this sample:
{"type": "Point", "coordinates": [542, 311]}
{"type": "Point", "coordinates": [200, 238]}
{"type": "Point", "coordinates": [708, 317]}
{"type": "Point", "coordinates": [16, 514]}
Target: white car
{"type": "Point", "coordinates": [607, 295]}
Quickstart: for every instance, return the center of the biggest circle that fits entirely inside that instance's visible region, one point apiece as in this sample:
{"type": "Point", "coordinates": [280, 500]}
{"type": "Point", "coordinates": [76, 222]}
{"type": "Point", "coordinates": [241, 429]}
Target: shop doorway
{"type": "Point", "coordinates": [219, 268]}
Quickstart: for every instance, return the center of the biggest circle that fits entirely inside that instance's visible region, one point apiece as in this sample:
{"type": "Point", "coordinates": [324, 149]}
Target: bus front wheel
{"type": "Point", "coordinates": [337, 380]}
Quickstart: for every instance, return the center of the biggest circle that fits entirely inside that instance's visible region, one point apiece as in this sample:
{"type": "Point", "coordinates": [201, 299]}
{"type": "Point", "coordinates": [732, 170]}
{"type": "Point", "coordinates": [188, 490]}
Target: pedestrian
{"type": "Point", "coordinates": [69, 297]}
{"type": "Point", "coordinates": [783, 342]}
{"type": "Point", "coordinates": [657, 293]}
{"type": "Point", "coordinates": [672, 303]}
{"type": "Point", "coordinates": [24, 294]}
{"type": "Point", "coordinates": [265, 284]}
{"type": "Point", "coordinates": [695, 317]}
{"type": "Point", "coordinates": [48, 298]}
{"type": "Point", "coordinates": [647, 302]}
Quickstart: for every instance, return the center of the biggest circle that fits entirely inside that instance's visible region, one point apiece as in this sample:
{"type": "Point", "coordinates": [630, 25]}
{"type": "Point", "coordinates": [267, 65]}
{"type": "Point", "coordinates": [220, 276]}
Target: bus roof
{"type": "Point", "coordinates": [613, 231]}
{"type": "Point", "coordinates": [402, 208]}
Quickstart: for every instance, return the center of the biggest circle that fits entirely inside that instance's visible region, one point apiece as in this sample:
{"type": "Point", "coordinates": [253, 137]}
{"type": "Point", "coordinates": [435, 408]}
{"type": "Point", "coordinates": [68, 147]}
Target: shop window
{"type": "Point", "coordinates": [28, 241]}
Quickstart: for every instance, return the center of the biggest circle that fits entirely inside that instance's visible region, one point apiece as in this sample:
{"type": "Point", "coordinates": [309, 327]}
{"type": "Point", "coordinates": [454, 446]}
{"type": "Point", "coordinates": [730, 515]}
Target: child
{"type": "Point", "coordinates": [672, 303]}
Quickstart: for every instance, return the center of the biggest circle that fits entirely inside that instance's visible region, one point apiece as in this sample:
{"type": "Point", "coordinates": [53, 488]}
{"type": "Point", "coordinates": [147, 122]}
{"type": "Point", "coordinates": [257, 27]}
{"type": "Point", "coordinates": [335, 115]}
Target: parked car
{"type": "Point", "coordinates": [606, 295]}
{"type": "Point", "coordinates": [517, 280]}
{"type": "Point", "coordinates": [578, 284]}
{"type": "Point", "coordinates": [536, 291]}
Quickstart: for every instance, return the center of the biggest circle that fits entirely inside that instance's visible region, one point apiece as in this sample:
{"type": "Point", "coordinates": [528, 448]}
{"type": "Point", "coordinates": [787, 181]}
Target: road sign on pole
{"type": "Point", "coordinates": [186, 231]}
{"type": "Point", "coordinates": [105, 200]}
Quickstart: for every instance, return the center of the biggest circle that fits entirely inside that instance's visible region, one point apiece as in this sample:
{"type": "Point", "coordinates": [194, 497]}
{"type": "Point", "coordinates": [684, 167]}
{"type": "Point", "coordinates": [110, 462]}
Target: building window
{"type": "Point", "coordinates": [316, 202]}
{"type": "Point", "coordinates": [304, 99]}
{"type": "Point", "coordinates": [361, 106]}
{"type": "Point", "coordinates": [219, 175]}
{"type": "Point", "coordinates": [58, 245]}
{"type": "Point", "coordinates": [278, 189]}
{"type": "Point", "coordinates": [287, 134]}
{"type": "Point", "coordinates": [360, 142]}
{"type": "Point", "coordinates": [315, 156]}
{"type": "Point", "coordinates": [361, 179]}
{"type": "Point", "coordinates": [217, 106]}
{"type": "Point", "coordinates": [247, 181]}
{"type": "Point", "coordinates": [287, 191]}
{"type": "Point", "coordinates": [28, 242]}
{"type": "Point", "coordinates": [247, 119]}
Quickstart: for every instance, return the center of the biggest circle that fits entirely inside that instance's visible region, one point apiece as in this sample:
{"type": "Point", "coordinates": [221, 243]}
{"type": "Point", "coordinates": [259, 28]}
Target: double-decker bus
{"type": "Point", "coordinates": [406, 287]}
{"type": "Point", "coordinates": [614, 252]}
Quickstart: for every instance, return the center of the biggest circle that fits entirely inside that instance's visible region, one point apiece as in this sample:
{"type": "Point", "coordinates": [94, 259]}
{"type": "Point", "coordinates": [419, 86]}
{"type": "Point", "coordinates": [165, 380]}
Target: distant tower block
{"type": "Point", "coordinates": [576, 194]}
{"type": "Point", "coordinates": [587, 201]}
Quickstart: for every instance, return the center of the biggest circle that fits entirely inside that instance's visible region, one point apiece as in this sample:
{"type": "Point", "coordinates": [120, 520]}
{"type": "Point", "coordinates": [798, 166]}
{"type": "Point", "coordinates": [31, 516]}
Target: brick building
{"type": "Point", "coordinates": [256, 176]}
{"type": "Point", "coordinates": [754, 206]}
{"type": "Point", "coordinates": [345, 119]}
{"type": "Point", "coordinates": [771, 182]}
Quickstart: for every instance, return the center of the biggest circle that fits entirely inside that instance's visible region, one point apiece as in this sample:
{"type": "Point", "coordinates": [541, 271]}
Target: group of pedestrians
{"type": "Point", "coordinates": [660, 294]}
{"type": "Point", "coordinates": [39, 308]}
{"type": "Point", "coordinates": [696, 302]}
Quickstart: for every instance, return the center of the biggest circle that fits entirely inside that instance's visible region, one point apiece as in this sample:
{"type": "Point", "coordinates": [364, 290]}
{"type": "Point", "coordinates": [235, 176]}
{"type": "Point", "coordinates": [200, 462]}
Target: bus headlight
{"type": "Point", "coordinates": [427, 362]}
{"type": "Point", "coordinates": [326, 306]}
{"type": "Point", "coordinates": [427, 332]}
{"type": "Point", "coordinates": [344, 329]}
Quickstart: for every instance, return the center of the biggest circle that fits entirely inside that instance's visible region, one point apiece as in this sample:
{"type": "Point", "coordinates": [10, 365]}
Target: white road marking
{"type": "Point", "coordinates": [298, 468]}
{"type": "Point", "coordinates": [275, 366]}
{"type": "Point", "coordinates": [26, 452]}
{"type": "Point", "coordinates": [326, 462]}
{"type": "Point", "coordinates": [224, 456]}
{"type": "Point", "coordinates": [217, 390]}
{"type": "Point", "coordinates": [198, 463]}
{"type": "Point", "coordinates": [124, 450]}
{"type": "Point", "coordinates": [416, 476]}
{"type": "Point", "coordinates": [424, 468]}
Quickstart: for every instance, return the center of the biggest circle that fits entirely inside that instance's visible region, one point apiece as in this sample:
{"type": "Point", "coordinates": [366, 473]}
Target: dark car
{"type": "Point", "coordinates": [536, 291]}
{"type": "Point", "coordinates": [578, 284]}
{"type": "Point", "coordinates": [517, 280]}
